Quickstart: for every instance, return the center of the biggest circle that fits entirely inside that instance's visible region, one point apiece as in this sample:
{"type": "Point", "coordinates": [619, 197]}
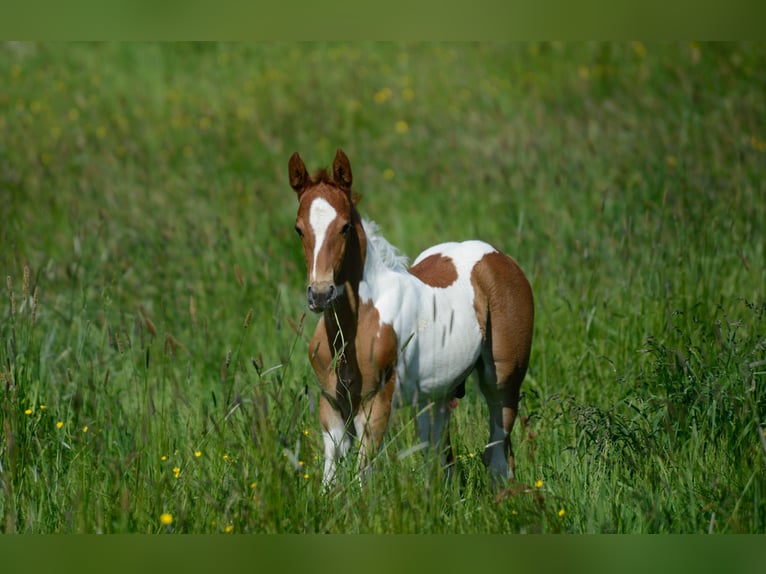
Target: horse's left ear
{"type": "Point", "coordinates": [299, 177]}
{"type": "Point", "coordinates": [341, 170]}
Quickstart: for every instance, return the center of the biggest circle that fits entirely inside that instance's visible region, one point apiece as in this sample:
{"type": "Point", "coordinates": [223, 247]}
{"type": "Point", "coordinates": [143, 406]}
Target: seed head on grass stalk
{"type": "Point", "coordinates": [25, 284]}
{"type": "Point", "coordinates": [34, 306]}
{"type": "Point", "coordinates": [240, 277]}
{"type": "Point", "coordinates": [11, 296]}
{"type": "Point", "coordinates": [225, 365]}
{"type": "Point", "coordinates": [193, 310]}
{"type": "Point", "coordinates": [248, 318]}
{"type": "Point", "coordinates": [147, 321]}
{"type": "Point", "coordinates": [172, 345]}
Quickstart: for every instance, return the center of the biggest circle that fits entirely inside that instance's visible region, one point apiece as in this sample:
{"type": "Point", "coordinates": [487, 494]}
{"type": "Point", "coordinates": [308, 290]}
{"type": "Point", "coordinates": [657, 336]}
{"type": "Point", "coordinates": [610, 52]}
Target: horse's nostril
{"type": "Point", "coordinates": [320, 295]}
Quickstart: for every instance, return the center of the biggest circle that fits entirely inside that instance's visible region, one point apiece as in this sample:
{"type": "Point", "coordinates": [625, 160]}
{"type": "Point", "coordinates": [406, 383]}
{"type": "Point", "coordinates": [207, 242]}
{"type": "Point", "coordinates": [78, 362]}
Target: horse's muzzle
{"type": "Point", "coordinates": [320, 295]}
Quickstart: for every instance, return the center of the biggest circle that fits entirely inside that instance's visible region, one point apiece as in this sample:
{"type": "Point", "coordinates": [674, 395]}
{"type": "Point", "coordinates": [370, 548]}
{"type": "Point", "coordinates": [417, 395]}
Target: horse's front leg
{"type": "Point", "coordinates": [335, 405]}
{"type": "Point", "coordinates": [371, 422]}
{"type": "Point", "coordinates": [336, 438]}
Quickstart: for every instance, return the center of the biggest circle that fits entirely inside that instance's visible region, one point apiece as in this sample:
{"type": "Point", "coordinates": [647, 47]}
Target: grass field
{"type": "Point", "coordinates": [154, 328]}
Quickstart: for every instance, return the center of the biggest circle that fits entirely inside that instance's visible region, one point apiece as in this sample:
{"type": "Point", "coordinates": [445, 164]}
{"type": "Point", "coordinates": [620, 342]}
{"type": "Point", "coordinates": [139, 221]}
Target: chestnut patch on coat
{"type": "Point", "coordinates": [505, 310]}
{"type": "Point", "coordinates": [436, 270]}
{"type": "Point", "coordinates": [376, 346]}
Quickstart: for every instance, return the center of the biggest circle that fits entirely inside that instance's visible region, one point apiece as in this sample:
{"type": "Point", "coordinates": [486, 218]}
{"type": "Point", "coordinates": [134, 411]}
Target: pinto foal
{"type": "Point", "coordinates": [417, 333]}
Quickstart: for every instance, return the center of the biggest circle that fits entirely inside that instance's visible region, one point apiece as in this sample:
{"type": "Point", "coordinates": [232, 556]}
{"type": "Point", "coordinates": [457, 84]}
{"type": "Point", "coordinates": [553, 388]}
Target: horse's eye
{"type": "Point", "coordinates": [298, 231]}
{"type": "Point", "coordinates": [345, 229]}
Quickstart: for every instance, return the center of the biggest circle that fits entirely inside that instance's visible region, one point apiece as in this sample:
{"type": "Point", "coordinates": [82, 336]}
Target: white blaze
{"type": "Point", "coordinates": [321, 215]}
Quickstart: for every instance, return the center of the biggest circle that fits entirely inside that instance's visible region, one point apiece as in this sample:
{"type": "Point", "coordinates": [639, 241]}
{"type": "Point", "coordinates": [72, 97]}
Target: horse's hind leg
{"type": "Point", "coordinates": [505, 309]}
{"type": "Point", "coordinates": [433, 428]}
{"type": "Point", "coordinates": [501, 370]}
{"type": "Point", "coordinates": [498, 452]}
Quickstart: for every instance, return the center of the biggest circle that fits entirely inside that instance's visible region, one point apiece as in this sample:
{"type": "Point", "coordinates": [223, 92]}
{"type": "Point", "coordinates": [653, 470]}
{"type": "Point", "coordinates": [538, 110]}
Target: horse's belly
{"type": "Point", "coordinates": [439, 353]}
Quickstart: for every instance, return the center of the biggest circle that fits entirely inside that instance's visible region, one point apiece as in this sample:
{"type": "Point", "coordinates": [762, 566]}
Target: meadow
{"type": "Point", "coordinates": [153, 328]}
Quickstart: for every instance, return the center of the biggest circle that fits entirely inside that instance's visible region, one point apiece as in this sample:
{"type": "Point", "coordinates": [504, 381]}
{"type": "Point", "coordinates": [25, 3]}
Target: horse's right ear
{"type": "Point", "coordinates": [299, 177]}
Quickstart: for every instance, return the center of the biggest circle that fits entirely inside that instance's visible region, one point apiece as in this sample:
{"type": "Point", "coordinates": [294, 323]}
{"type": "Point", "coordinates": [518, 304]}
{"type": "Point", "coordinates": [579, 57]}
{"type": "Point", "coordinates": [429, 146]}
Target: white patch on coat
{"type": "Point", "coordinates": [321, 215]}
{"type": "Point", "coordinates": [436, 327]}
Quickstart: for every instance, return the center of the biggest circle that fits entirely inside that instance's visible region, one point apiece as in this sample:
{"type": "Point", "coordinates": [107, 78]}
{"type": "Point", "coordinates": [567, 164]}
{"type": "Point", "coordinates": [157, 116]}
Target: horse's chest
{"type": "Point", "coordinates": [375, 348]}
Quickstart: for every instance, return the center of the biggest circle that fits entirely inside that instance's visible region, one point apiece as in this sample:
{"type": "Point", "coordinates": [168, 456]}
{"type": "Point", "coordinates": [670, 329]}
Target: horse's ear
{"type": "Point", "coordinates": [341, 170]}
{"type": "Point", "coordinates": [299, 177]}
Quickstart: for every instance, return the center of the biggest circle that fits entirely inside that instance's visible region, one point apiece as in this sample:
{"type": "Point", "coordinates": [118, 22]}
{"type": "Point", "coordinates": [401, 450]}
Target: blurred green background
{"type": "Point", "coordinates": [143, 188]}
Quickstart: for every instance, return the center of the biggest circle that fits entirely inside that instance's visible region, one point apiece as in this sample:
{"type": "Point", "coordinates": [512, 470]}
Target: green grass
{"type": "Point", "coordinates": [144, 190]}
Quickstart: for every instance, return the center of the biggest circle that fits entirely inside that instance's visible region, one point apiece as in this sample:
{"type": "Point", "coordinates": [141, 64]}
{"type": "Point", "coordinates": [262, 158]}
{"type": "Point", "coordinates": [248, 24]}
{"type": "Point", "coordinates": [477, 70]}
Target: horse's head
{"type": "Point", "coordinates": [326, 222]}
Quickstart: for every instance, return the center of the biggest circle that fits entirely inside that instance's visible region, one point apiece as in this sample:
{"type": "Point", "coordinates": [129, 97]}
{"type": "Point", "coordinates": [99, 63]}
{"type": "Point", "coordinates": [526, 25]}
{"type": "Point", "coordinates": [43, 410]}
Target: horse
{"type": "Point", "coordinates": [415, 333]}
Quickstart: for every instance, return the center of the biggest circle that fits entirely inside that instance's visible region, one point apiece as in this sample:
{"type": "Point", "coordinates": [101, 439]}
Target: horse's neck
{"type": "Point", "coordinates": [343, 316]}
{"type": "Point", "coordinates": [371, 265]}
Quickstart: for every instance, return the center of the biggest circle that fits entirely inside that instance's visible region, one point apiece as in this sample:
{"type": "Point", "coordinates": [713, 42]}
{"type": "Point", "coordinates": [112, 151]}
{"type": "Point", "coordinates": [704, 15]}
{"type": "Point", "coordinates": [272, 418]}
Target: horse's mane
{"type": "Point", "coordinates": [389, 255]}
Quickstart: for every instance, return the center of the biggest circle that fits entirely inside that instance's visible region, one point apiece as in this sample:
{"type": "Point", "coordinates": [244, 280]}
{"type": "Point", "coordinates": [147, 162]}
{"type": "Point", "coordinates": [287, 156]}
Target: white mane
{"type": "Point", "coordinates": [388, 255]}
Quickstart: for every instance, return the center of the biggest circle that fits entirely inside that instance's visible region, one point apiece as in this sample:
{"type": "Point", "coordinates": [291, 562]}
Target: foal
{"type": "Point", "coordinates": [417, 332]}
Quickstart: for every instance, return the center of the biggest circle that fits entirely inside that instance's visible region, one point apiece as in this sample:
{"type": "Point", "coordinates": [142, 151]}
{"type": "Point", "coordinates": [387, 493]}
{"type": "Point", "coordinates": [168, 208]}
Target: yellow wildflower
{"type": "Point", "coordinates": [166, 519]}
{"type": "Point", "coordinates": [401, 127]}
{"type": "Point", "coordinates": [639, 49]}
{"type": "Point", "coordinates": [59, 424]}
{"type": "Point", "coordinates": [382, 95]}
{"type": "Point", "coordinates": [197, 453]}
{"type": "Point", "coordinates": [538, 483]}
{"type": "Point", "coordinates": [28, 412]}
{"type": "Point", "coordinates": [561, 513]}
